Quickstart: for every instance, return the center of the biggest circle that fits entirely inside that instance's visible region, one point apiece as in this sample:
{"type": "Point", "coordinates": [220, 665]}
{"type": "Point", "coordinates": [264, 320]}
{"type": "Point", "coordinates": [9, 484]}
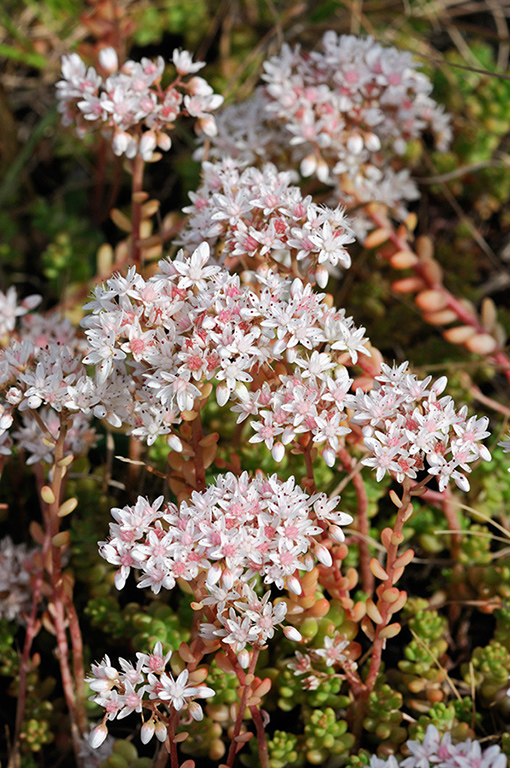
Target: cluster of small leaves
{"type": "Point", "coordinates": [125, 755]}
{"type": "Point", "coordinates": [422, 676]}
{"type": "Point", "coordinates": [38, 725]}
{"type": "Point", "coordinates": [325, 735]}
{"type": "Point", "coordinates": [481, 103]}
{"type": "Point", "coordinates": [488, 671]}
{"type": "Point", "coordinates": [456, 718]}
{"type": "Point", "coordinates": [384, 717]}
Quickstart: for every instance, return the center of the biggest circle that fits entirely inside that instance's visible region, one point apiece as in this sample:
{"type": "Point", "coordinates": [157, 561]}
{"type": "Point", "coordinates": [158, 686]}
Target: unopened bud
{"type": "Point", "coordinates": [222, 394]}
{"type": "Point", "coordinates": [308, 165]}
{"type": "Point", "coordinates": [278, 452]}
{"type": "Point", "coordinates": [164, 141]}
{"type": "Point", "coordinates": [293, 585]}
{"type": "Point", "coordinates": [227, 578]}
{"type": "Point", "coordinates": [108, 60]}
{"type": "Point", "coordinates": [147, 731]}
{"type": "Point", "coordinates": [336, 533]}
{"type": "Point", "coordinates": [355, 144]}
{"type": "Point", "coordinates": [321, 276]}
{"type": "Point", "coordinates": [323, 555]}
{"type": "Point", "coordinates": [98, 735]}
{"type": "Point", "coordinates": [174, 443]}
{"type": "Point", "coordinates": [291, 633]}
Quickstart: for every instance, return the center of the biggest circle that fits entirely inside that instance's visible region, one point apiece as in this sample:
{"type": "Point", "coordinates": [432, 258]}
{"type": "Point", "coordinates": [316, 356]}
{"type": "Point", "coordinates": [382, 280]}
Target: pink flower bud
{"type": "Point", "coordinates": [161, 731]}
{"type": "Point", "coordinates": [227, 578]}
{"type": "Point", "coordinates": [31, 301]}
{"type": "Point", "coordinates": [147, 145]}
{"type": "Point", "coordinates": [174, 443]}
{"type": "Point", "coordinates": [120, 142]}
{"type": "Point", "coordinates": [147, 731]}
{"type": "Point", "coordinates": [336, 533]}
{"type": "Point", "coordinates": [372, 142]}
{"type": "Point", "coordinates": [14, 396]}
{"type": "Point", "coordinates": [291, 633]}
{"type": "Point", "coordinates": [278, 452]}
{"type": "Point", "coordinates": [222, 394]}
{"type": "Point", "coordinates": [308, 165]}
{"type": "Point", "coordinates": [329, 456]}
{"type": "Point", "coordinates": [243, 658]}
{"type": "Point", "coordinates": [355, 144]}
{"type": "Point", "coordinates": [208, 125]}
{"type": "Point", "coordinates": [323, 555]}
{"type": "Point", "coordinates": [108, 60]}
{"type": "Point", "coordinates": [321, 276]}
{"type": "Point", "coordinates": [213, 575]}
{"type": "Point", "coordinates": [195, 710]}
{"type": "Point", "coordinates": [164, 141]}
{"type": "Point", "coordinates": [199, 87]}
{"type": "Point", "coordinates": [98, 735]}
{"type": "Point", "coordinates": [294, 586]}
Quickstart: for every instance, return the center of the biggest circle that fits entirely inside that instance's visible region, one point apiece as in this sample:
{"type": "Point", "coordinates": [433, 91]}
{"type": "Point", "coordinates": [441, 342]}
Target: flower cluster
{"type": "Point", "coordinates": [345, 114]}
{"type": "Point", "coordinates": [39, 370]}
{"type": "Point", "coordinates": [158, 342]}
{"type": "Point", "coordinates": [258, 214]}
{"type": "Point", "coordinates": [311, 401]}
{"type": "Point", "coordinates": [149, 684]}
{"type": "Point", "coordinates": [236, 530]}
{"type": "Point", "coordinates": [130, 105]}
{"type": "Point", "coordinates": [247, 133]}
{"type": "Point", "coordinates": [439, 752]}
{"type": "Point", "coordinates": [407, 423]}
{"type": "Point", "coordinates": [16, 569]}
{"type": "Point", "coordinates": [351, 101]}
{"type": "Point", "coordinates": [331, 654]}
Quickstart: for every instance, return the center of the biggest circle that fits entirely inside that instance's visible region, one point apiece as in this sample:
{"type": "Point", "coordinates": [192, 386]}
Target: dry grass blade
{"type": "Point", "coordinates": [438, 664]}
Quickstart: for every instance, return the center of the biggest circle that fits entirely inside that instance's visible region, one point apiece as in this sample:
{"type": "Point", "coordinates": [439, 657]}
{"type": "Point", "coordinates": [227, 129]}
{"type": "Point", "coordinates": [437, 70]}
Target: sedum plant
{"type": "Point", "coordinates": [273, 598]}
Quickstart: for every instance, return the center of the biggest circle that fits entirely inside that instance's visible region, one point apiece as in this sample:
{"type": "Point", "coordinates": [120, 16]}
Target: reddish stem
{"type": "Point", "coordinates": [234, 746]}
{"type": "Point", "coordinates": [172, 726]}
{"type": "Point", "coordinates": [197, 435]}
{"type": "Point", "coordinates": [452, 303]}
{"type": "Point", "coordinates": [74, 691]}
{"type": "Point", "coordinates": [261, 737]}
{"type": "Point", "coordinates": [383, 605]}
{"type": "Point", "coordinates": [367, 577]}
{"type": "Point", "coordinates": [30, 634]}
{"type": "Point", "coordinates": [136, 208]}
{"type": "Point", "coordinates": [444, 500]}
{"type": "Point", "coordinates": [311, 487]}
